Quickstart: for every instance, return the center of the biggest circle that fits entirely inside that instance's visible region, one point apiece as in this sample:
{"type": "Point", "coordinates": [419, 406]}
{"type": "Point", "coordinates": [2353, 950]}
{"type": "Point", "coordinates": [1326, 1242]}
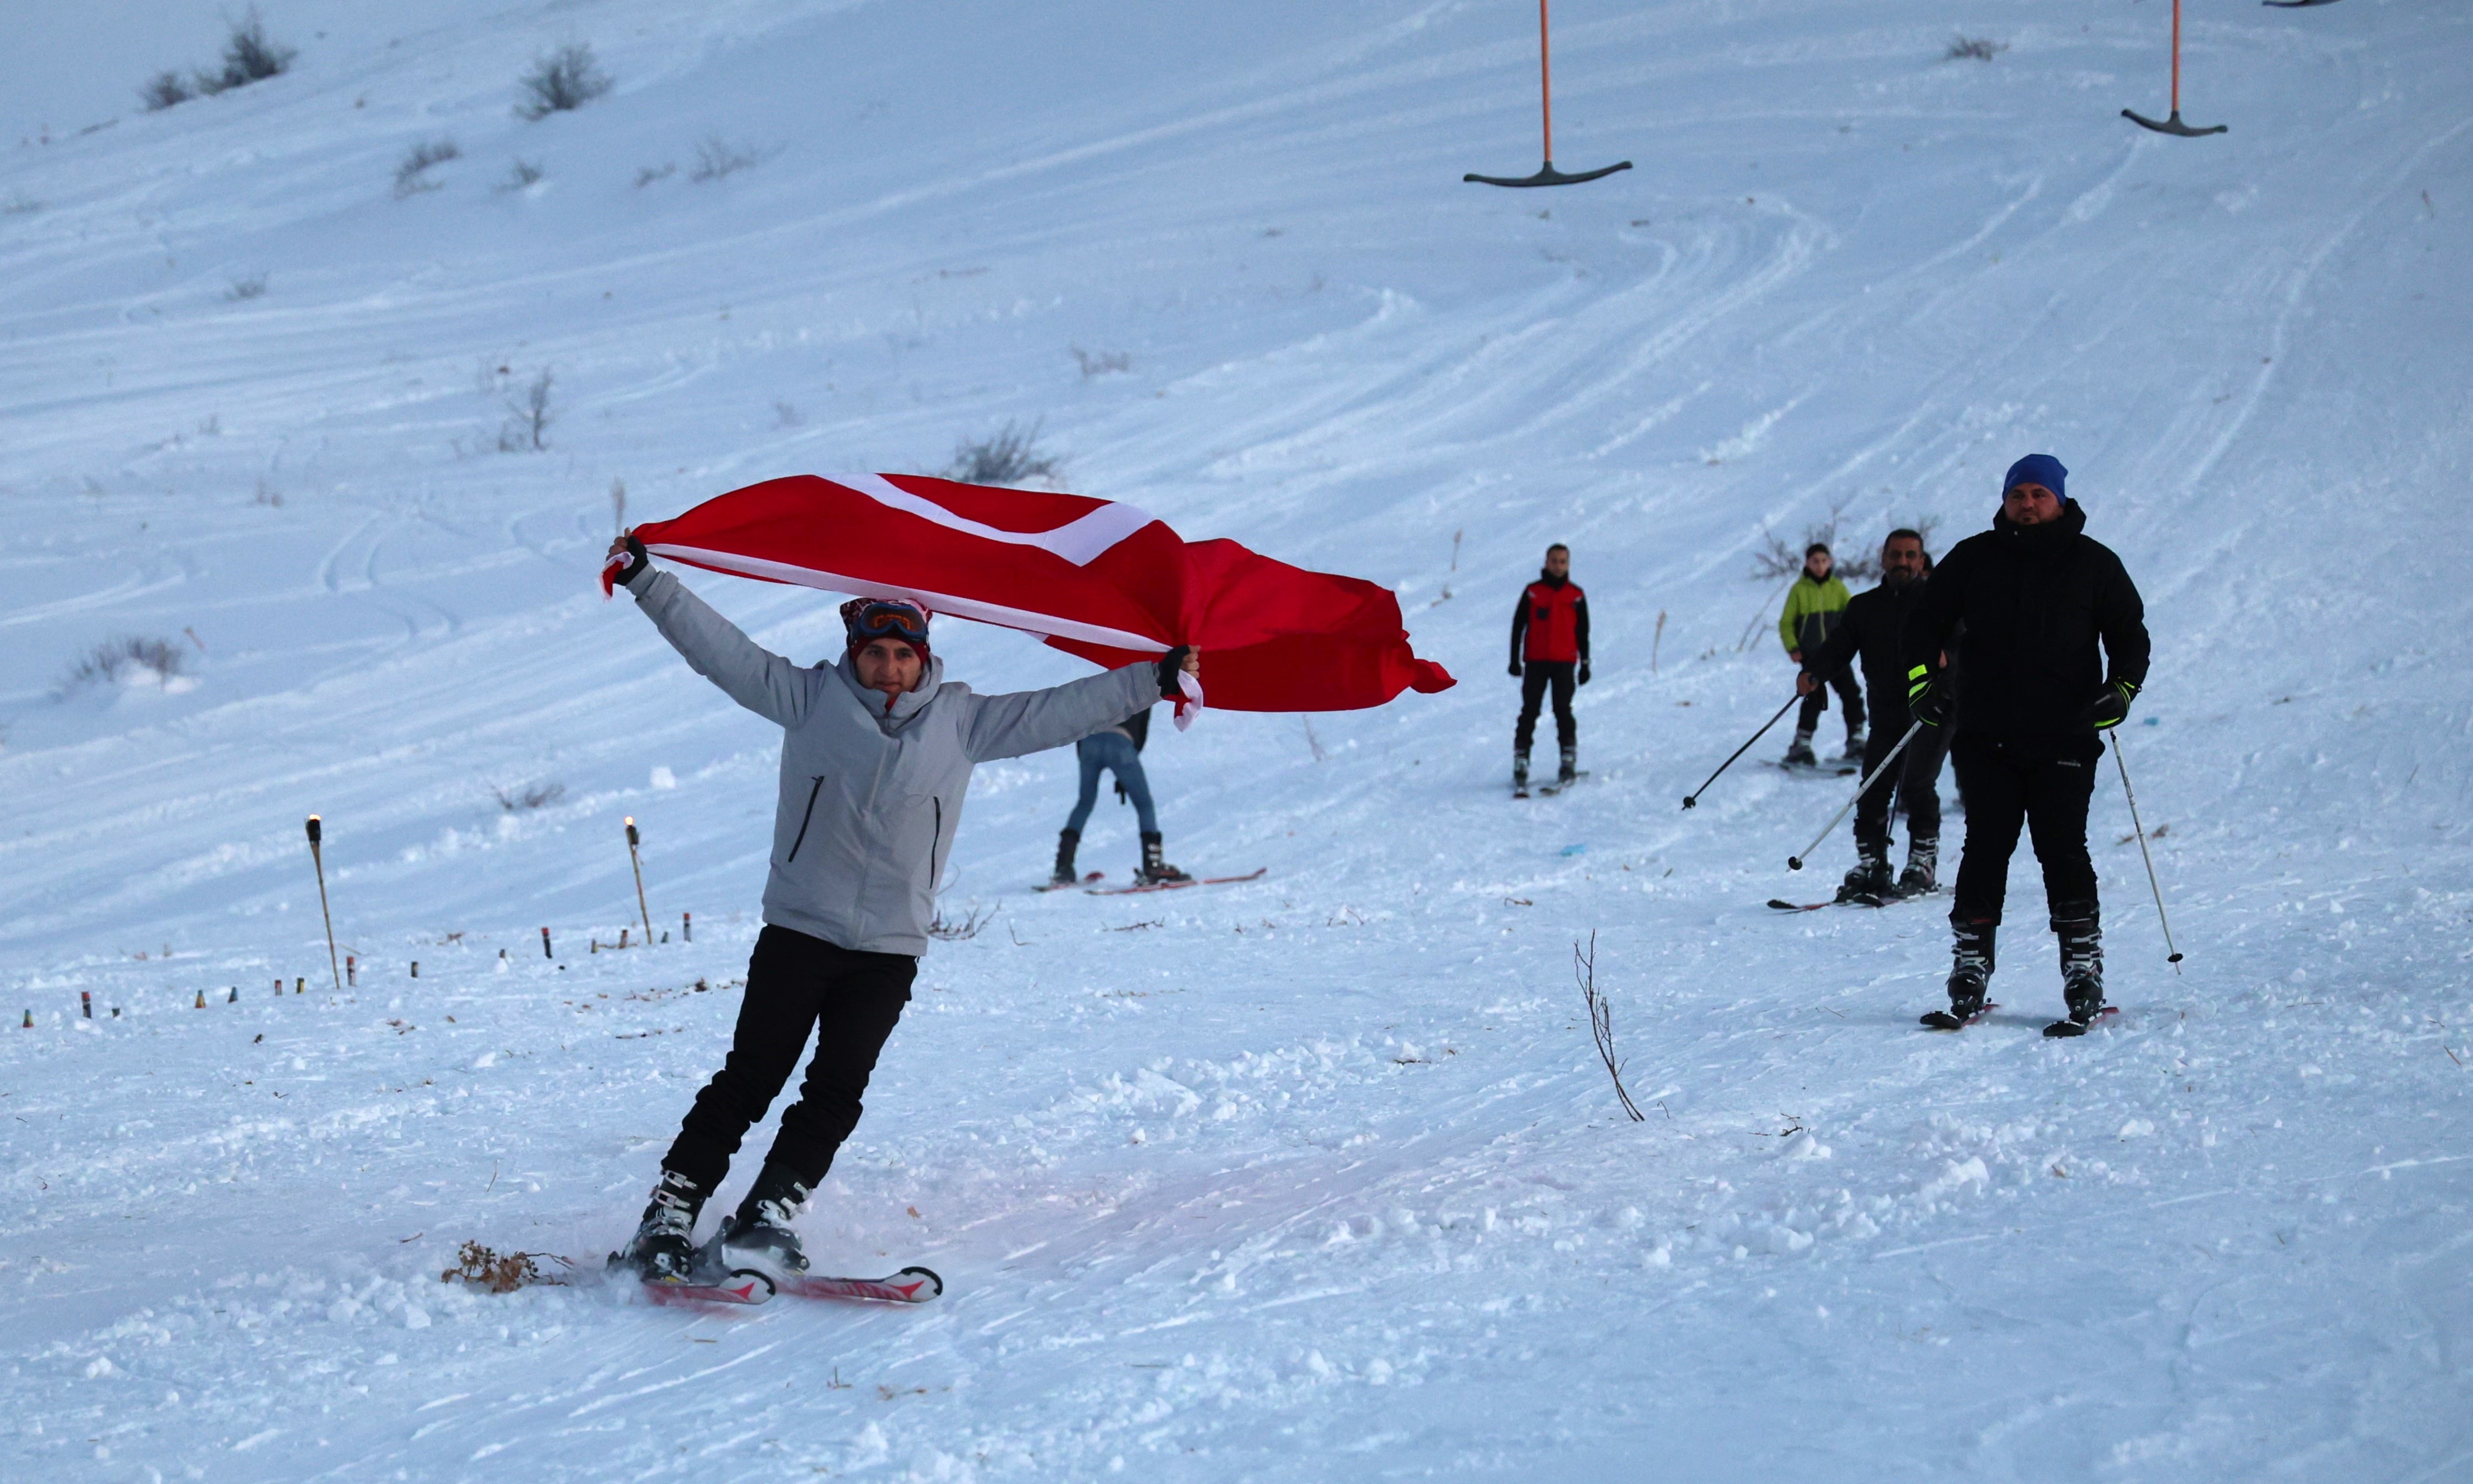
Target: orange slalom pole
{"type": "Point", "coordinates": [1546, 79]}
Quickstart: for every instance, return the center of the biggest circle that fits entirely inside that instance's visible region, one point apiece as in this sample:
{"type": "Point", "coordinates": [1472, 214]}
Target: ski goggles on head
{"type": "Point", "coordinates": [885, 618]}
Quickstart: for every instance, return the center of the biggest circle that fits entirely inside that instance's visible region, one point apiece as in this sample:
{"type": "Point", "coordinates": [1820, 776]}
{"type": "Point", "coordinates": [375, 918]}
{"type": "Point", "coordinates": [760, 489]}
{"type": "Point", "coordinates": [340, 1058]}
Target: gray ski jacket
{"type": "Point", "coordinates": [870, 800]}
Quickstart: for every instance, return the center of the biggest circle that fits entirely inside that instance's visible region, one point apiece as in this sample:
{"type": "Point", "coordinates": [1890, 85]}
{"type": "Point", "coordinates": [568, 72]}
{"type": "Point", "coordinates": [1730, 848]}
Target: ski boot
{"type": "Point", "coordinates": [664, 1247]}
{"type": "Point", "coordinates": [1854, 752]}
{"type": "Point", "coordinates": [1869, 882]}
{"type": "Point", "coordinates": [1970, 975]}
{"type": "Point", "coordinates": [1921, 876]}
{"type": "Point", "coordinates": [1798, 752]}
{"type": "Point", "coordinates": [1156, 871]}
{"type": "Point", "coordinates": [758, 1238]}
{"type": "Point", "coordinates": [1066, 842]}
{"type": "Point", "coordinates": [1570, 768]}
{"type": "Point", "coordinates": [2078, 926]}
{"type": "Point", "coordinates": [1520, 774]}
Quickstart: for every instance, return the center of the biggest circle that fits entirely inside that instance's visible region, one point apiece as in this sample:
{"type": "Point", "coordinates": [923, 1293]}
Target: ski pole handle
{"type": "Point", "coordinates": [1795, 862]}
{"type": "Point", "coordinates": [1693, 798]}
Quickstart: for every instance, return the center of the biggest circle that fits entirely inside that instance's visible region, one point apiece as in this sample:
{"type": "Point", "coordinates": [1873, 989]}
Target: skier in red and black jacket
{"type": "Point", "coordinates": [1550, 649]}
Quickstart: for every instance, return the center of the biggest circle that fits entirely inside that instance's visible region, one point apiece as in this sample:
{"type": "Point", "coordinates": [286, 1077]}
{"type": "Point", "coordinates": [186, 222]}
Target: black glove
{"type": "Point", "coordinates": [2111, 706]}
{"type": "Point", "coordinates": [1120, 792]}
{"type": "Point", "coordinates": [1928, 701]}
{"type": "Point", "coordinates": [1584, 671]}
{"type": "Point", "coordinates": [1172, 664]}
{"type": "Point", "coordinates": [637, 563]}
{"type": "Point", "coordinates": [1515, 669]}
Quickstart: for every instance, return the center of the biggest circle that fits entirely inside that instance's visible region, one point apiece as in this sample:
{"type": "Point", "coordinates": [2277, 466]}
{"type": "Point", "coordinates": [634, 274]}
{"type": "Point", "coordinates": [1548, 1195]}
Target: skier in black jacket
{"type": "Point", "coordinates": [2035, 596]}
{"type": "Point", "coordinates": [1873, 628]}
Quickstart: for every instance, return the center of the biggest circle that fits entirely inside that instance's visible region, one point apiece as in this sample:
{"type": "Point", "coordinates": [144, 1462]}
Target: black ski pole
{"type": "Point", "coordinates": [638, 862]}
{"type": "Point", "coordinates": [1693, 798]}
{"type": "Point", "coordinates": [319, 860]}
{"type": "Point", "coordinates": [1795, 862]}
{"type": "Point", "coordinates": [2173, 955]}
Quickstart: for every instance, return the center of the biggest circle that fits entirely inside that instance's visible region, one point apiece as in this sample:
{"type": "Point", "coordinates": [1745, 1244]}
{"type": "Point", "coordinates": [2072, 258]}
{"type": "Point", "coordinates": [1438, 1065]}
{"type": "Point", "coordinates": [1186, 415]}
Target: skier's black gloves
{"type": "Point", "coordinates": [1172, 664]}
{"type": "Point", "coordinates": [1584, 671]}
{"type": "Point", "coordinates": [638, 563]}
{"type": "Point", "coordinates": [2111, 707]}
{"type": "Point", "coordinates": [1515, 669]}
{"type": "Point", "coordinates": [1928, 701]}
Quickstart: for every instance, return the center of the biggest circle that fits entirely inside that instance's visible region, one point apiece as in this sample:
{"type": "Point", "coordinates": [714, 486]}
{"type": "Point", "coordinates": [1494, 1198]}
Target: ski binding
{"type": "Point", "coordinates": [1944, 1020]}
{"type": "Point", "coordinates": [2073, 1026]}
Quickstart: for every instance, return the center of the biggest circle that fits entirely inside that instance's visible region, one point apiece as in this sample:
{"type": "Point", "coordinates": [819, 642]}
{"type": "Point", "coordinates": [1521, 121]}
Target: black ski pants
{"type": "Point", "coordinates": [1536, 677]}
{"type": "Point", "coordinates": [1914, 785]}
{"type": "Point", "coordinates": [2007, 786]}
{"type": "Point", "coordinates": [1850, 698]}
{"type": "Point", "coordinates": [796, 984]}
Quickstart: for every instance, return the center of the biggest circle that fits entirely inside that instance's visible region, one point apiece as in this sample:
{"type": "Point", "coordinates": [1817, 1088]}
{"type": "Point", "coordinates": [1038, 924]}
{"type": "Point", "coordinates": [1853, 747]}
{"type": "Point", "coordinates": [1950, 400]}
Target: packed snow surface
{"type": "Point", "coordinates": [1316, 1177]}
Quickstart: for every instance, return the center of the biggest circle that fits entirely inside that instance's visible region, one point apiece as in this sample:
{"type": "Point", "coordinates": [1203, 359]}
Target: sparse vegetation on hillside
{"type": "Point", "coordinates": [1007, 456]}
{"type": "Point", "coordinates": [561, 82]}
{"type": "Point", "coordinates": [248, 56]}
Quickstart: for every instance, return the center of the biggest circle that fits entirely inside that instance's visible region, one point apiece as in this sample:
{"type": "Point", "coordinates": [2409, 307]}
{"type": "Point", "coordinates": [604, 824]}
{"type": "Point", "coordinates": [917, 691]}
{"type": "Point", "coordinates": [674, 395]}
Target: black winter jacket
{"type": "Point", "coordinates": [1873, 628]}
{"type": "Point", "coordinates": [2035, 601]}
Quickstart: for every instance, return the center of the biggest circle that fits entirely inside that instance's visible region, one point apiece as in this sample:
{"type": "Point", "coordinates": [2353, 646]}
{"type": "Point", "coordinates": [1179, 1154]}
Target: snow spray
{"type": "Point", "coordinates": [318, 860]}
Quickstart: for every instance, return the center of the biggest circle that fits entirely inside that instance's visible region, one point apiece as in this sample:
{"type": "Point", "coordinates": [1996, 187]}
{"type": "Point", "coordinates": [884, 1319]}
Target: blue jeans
{"type": "Point", "coordinates": [1112, 752]}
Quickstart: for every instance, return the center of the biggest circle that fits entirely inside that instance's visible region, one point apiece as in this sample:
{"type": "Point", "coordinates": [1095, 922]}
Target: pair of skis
{"type": "Point", "coordinates": [708, 1284]}
{"type": "Point", "coordinates": [1138, 888]}
{"type": "Point", "coordinates": [1547, 790]}
{"type": "Point", "coordinates": [1948, 1021]}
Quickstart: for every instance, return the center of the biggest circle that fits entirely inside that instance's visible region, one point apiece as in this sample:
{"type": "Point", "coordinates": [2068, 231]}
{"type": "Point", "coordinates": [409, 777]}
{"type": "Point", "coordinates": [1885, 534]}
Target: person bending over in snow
{"type": "Point", "coordinates": [1549, 647]}
{"type": "Point", "coordinates": [876, 752]}
{"type": "Point", "coordinates": [1117, 749]}
{"type": "Point", "coordinates": [1814, 607]}
{"type": "Point", "coordinates": [1872, 629]}
{"type": "Point", "coordinates": [2035, 596]}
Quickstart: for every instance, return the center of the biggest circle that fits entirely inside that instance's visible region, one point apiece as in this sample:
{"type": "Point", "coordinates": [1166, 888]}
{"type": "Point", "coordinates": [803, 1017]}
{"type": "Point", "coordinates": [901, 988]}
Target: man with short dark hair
{"type": "Point", "coordinates": [1873, 631]}
{"type": "Point", "coordinates": [1550, 649]}
{"type": "Point", "coordinates": [1814, 607]}
{"type": "Point", "coordinates": [876, 752]}
{"type": "Point", "coordinates": [2028, 604]}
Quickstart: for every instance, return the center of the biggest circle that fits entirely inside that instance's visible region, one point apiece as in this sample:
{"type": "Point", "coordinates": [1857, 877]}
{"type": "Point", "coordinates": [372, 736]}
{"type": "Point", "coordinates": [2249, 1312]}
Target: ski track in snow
{"type": "Point", "coordinates": [1319, 1176]}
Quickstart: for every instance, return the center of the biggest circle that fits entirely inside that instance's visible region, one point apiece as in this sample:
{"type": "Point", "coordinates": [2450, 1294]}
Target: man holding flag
{"type": "Point", "coordinates": [876, 753]}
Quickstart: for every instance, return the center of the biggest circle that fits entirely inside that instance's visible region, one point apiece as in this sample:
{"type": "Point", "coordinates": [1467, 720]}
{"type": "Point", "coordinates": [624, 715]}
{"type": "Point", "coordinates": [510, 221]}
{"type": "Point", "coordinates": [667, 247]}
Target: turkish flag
{"type": "Point", "coordinates": [1108, 581]}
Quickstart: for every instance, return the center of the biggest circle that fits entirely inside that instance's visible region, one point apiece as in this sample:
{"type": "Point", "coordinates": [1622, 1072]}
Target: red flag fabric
{"type": "Point", "coordinates": [1105, 581]}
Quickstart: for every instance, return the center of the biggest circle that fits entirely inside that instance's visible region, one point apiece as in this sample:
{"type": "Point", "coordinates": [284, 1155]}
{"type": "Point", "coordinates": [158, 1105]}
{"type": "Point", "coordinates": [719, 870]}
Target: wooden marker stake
{"type": "Point", "coordinates": [636, 860]}
{"type": "Point", "coordinates": [318, 859]}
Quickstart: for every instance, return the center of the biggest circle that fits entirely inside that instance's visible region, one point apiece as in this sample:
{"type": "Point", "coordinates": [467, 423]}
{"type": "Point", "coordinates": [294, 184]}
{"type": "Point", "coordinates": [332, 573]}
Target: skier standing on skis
{"type": "Point", "coordinates": [876, 753]}
{"type": "Point", "coordinates": [2036, 597]}
{"type": "Point", "coordinates": [1549, 650]}
{"type": "Point", "coordinates": [1117, 749]}
{"type": "Point", "coordinates": [1814, 607]}
{"type": "Point", "coordinates": [1873, 629]}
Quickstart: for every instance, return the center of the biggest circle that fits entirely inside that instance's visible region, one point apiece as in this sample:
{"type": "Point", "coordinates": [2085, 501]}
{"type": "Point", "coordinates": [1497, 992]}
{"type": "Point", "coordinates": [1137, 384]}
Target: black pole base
{"type": "Point", "coordinates": [2173, 124]}
{"type": "Point", "coordinates": [1547, 176]}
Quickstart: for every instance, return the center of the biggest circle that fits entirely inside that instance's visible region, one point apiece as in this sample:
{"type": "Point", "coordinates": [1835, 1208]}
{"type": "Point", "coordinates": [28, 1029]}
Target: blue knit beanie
{"type": "Point", "coordinates": [2037, 468]}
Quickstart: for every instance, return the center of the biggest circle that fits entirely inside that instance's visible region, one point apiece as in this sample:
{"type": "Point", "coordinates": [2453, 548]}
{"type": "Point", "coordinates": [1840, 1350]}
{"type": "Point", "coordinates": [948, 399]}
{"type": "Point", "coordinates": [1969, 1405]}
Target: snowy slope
{"type": "Point", "coordinates": [1315, 1178]}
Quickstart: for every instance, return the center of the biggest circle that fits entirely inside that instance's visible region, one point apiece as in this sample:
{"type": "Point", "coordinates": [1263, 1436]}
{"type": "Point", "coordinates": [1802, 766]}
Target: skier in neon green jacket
{"type": "Point", "coordinates": [1814, 606]}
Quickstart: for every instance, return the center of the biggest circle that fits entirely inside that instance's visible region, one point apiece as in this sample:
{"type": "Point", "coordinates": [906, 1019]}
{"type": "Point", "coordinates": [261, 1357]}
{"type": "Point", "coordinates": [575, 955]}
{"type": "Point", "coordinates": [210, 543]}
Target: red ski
{"type": "Point", "coordinates": [910, 1286]}
{"type": "Point", "coordinates": [1170, 885]}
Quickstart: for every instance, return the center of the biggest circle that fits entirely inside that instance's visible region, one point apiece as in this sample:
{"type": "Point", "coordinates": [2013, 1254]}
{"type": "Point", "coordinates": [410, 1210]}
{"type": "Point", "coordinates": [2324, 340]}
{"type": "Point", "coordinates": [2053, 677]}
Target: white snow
{"type": "Point", "coordinates": [1317, 1177]}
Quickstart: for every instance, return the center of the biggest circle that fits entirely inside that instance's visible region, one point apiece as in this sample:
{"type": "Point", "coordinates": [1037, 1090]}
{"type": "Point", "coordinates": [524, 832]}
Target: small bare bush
{"type": "Point", "coordinates": [646, 175]}
{"type": "Point", "coordinates": [1974, 49]}
{"type": "Point", "coordinates": [716, 158]}
{"type": "Point", "coordinates": [243, 290]}
{"type": "Point", "coordinates": [520, 174]}
{"type": "Point", "coordinates": [528, 797]}
{"type": "Point", "coordinates": [785, 416]}
{"type": "Point", "coordinates": [1007, 456]}
{"type": "Point", "coordinates": [482, 1267]}
{"type": "Point", "coordinates": [129, 656]}
{"type": "Point", "coordinates": [946, 930]}
{"type": "Point", "coordinates": [1104, 363]}
{"type": "Point", "coordinates": [1601, 1021]}
{"type": "Point", "coordinates": [165, 89]}
{"type": "Point", "coordinates": [529, 417]}
{"type": "Point", "coordinates": [562, 81]}
{"type": "Point", "coordinates": [20, 205]}
{"type": "Point", "coordinates": [412, 172]}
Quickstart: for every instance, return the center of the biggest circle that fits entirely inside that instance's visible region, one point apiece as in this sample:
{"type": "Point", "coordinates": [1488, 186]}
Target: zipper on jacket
{"type": "Point", "coordinates": [813, 790]}
{"type": "Point", "coordinates": [935, 841]}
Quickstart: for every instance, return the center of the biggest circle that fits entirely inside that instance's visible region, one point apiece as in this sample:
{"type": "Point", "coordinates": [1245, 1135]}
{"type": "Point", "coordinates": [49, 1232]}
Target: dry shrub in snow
{"type": "Point", "coordinates": [716, 158]}
{"type": "Point", "coordinates": [128, 656]}
{"type": "Point", "coordinates": [529, 417]}
{"type": "Point", "coordinates": [561, 82]}
{"type": "Point", "coordinates": [1974, 49]}
{"type": "Point", "coordinates": [532, 796]}
{"type": "Point", "coordinates": [412, 172]}
{"type": "Point", "coordinates": [1009, 455]}
{"type": "Point", "coordinates": [248, 56]}
{"type": "Point", "coordinates": [482, 1267]}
